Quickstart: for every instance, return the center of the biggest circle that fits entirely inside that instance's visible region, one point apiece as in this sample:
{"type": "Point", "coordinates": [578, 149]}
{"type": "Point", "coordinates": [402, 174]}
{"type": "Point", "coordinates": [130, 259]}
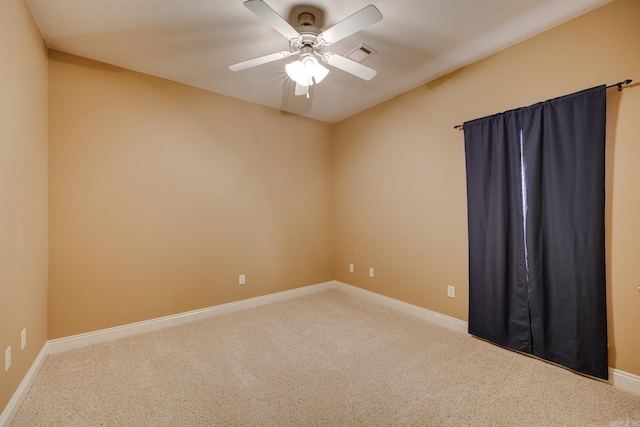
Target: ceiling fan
{"type": "Point", "coordinates": [309, 42]}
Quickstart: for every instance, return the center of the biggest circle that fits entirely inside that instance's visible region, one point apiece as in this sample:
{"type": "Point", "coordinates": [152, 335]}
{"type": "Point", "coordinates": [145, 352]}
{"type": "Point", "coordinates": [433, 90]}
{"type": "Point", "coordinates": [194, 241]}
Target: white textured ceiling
{"type": "Point", "coordinates": [194, 42]}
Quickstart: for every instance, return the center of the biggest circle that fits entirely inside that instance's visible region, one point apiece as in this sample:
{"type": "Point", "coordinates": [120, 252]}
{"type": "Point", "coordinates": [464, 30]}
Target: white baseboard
{"type": "Point", "coordinates": [413, 310]}
{"type": "Point", "coordinates": [82, 340]}
{"type": "Point", "coordinates": [620, 379]}
{"type": "Point", "coordinates": [16, 400]}
{"type": "Point", "coordinates": [624, 381]}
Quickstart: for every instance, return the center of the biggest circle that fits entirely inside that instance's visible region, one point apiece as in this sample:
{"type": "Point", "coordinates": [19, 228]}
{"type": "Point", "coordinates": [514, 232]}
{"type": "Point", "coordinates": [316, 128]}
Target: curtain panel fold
{"type": "Point", "coordinates": [535, 192]}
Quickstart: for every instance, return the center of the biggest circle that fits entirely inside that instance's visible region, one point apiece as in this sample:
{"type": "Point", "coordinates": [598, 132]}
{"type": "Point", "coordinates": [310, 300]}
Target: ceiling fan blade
{"type": "Point", "coordinates": [350, 66]}
{"type": "Point", "coordinates": [259, 61]}
{"type": "Point", "coordinates": [295, 104]}
{"type": "Point", "coordinates": [301, 90]}
{"type": "Point", "coordinates": [358, 21]}
{"type": "Point", "coordinates": [264, 11]}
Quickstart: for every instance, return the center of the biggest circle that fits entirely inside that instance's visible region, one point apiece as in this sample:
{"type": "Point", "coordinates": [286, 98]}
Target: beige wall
{"type": "Point", "coordinates": [400, 195]}
{"type": "Point", "coordinates": [23, 192]}
{"type": "Point", "coordinates": [162, 194]}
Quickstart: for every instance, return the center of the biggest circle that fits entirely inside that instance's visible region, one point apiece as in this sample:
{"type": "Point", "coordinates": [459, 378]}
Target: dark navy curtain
{"type": "Point", "coordinates": [535, 191]}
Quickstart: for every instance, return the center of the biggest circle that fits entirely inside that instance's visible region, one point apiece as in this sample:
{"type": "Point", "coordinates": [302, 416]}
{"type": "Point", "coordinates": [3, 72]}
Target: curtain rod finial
{"type": "Point", "coordinates": [626, 82]}
{"type": "Point", "coordinates": [619, 84]}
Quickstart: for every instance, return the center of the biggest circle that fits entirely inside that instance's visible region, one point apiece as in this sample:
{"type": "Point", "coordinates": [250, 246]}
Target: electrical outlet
{"type": "Point", "coordinates": [371, 271]}
{"type": "Point", "coordinates": [241, 279]}
{"type": "Point", "coordinates": [7, 358]}
{"type": "Point", "coordinates": [451, 291]}
{"type": "Point", "coordinates": [23, 339]}
{"type": "Point", "coordinates": [350, 268]}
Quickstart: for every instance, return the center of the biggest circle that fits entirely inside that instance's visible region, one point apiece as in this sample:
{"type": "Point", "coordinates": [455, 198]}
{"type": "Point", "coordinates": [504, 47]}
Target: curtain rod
{"type": "Point", "coordinates": [618, 85]}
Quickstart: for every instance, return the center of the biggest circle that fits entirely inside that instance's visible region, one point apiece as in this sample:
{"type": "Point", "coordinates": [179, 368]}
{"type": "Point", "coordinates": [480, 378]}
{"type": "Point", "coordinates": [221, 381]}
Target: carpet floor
{"type": "Point", "coordinates": [326, 359]}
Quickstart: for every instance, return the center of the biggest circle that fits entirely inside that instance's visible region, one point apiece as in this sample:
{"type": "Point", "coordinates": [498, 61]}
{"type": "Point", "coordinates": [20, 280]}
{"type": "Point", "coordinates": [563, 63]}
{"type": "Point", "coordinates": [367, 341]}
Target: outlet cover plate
{"type": "Point", "coordinates": [7, 358]}
{"type": "Point", "coordinates": [451, 291]}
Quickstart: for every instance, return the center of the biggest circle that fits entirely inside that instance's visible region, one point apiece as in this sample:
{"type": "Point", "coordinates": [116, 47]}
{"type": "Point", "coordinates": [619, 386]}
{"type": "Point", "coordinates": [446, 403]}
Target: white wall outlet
{"type": "Point", "coordinates": [350, 268]}
{"type": "Point", "coordinates": [23, 339]}
{"type": "Point", "coordinates": [7, 358]}
{"type": "Point", "coordinates": [371, 271]}
{"type": "Point", "coordinates": [241, 279]}
{"type": "Point", "coordinates": [451, 291]}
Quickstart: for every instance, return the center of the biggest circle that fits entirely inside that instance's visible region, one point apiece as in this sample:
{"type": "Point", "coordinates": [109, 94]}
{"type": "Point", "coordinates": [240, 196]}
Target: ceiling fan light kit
{"type": "Point", "coordinates": [306, 71]}
{"type": "Point", "coordinates": [309, 42]}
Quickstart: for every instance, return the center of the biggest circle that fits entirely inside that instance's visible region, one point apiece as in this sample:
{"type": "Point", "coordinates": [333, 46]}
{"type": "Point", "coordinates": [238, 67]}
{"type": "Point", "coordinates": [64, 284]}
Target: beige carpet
{"type": "Point", "coordinates": [328, 359]}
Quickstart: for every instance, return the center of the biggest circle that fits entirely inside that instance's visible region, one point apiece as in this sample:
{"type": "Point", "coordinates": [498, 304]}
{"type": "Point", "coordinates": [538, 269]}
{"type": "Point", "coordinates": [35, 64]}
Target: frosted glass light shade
{"type": "Point", "coordinates": [306, 71]}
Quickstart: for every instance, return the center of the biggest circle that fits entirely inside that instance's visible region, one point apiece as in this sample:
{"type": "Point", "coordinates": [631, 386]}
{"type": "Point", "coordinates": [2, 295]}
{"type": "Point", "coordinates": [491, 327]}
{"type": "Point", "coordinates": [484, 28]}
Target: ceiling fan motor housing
{"type": "Point", "coordinates": [308, 41]}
